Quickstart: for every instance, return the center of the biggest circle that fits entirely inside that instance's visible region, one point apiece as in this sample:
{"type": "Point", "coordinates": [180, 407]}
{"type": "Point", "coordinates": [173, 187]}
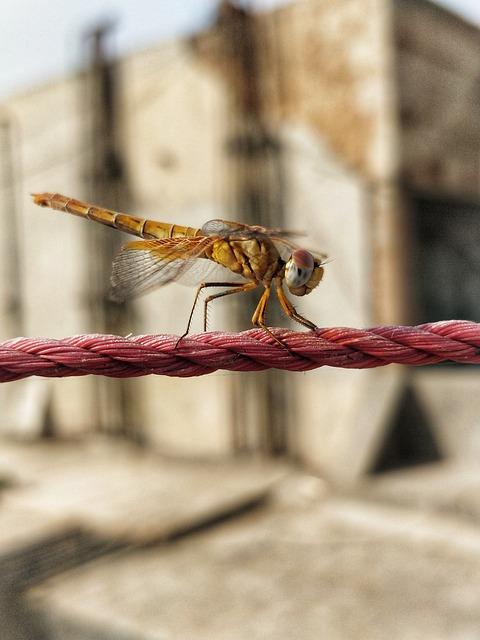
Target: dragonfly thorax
{"type": "Point", "coordinates": [253, 258]}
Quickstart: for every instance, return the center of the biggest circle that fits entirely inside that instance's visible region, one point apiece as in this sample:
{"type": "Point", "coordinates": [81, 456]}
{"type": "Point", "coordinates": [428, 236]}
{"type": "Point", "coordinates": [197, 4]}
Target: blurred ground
{"type": "Point", "coordinates": [101, 540]}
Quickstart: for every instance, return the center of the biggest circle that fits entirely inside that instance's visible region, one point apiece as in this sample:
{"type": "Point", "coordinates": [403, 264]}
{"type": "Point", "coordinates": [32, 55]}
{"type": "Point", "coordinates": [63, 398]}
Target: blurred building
{"type": "Point", "coordinates": [354, 120]}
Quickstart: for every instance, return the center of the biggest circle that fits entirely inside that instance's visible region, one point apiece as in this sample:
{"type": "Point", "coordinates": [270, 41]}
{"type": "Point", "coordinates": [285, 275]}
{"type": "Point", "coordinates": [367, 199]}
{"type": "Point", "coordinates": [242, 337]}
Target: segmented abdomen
{"type": "Point", "coordinates": [141, 227]}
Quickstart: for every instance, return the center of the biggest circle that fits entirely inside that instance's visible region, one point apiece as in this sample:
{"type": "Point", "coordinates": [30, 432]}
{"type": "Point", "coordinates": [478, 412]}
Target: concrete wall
{"type": "Point", "coordinates": [333, 203]}
{"type": "Point", "coordinates": [336, 78]}
{"type": "Point", "coordinates": [438, 57]}
{"type": "Point", "coordinates": [51, 253]}
{"type": "Point", "coordinates": [171, 145]}
{"type": "Point", "coordinates": [438, 71]}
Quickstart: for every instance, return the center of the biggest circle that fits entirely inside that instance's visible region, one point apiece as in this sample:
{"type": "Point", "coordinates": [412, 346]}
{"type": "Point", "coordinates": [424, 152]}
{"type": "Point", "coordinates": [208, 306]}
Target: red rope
{"type": "Point", "coordinates": [254, 350]}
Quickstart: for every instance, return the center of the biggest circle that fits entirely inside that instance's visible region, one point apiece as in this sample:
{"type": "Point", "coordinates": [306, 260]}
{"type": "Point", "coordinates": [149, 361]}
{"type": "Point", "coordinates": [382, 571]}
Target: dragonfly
{"type": "Point", "coordinates": [234, 256]}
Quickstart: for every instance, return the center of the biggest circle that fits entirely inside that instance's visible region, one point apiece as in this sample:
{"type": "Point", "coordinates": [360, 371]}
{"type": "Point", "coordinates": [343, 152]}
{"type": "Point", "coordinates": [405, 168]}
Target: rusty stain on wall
{"type": "Point", "coordinates": [325, 81]}
{"type": "Point", "coordinates": [321, 80]}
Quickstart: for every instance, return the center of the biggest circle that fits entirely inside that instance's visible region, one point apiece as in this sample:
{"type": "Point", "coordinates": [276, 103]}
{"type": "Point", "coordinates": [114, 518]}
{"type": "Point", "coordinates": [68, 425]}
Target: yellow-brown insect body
{"type": "Point", "coordinates": [255, 259]}
{"type": "Point", "coordinates": [171, 252]}
{"type": "Point", "coordinates": [142, 227]}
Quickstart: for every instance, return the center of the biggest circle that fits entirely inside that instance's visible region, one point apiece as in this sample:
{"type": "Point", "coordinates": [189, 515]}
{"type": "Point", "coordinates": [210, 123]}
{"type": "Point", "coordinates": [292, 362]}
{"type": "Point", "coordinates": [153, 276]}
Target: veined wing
{"type": "Point", "coordinates": [229, 228]}
{"type": "Point", "coordinates": [147, 264]}
{"type": "Point", "coordinates": [204, 270]}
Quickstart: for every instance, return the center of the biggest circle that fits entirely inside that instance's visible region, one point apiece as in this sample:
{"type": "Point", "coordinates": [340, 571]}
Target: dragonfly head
{"type": "Point", "coordinates": [303, 272]}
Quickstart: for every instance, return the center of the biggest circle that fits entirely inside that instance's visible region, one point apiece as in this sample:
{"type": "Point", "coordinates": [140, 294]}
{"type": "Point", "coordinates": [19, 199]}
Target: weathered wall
{"type": "Point", "coordinates": [438, 71]}
{"type": "Point", "coordinates": [336, 77]}
{"type": "Point", "coordinates": [175, 112]}
{"type": "Point", "coordinates": [327, 64]}
{"type": "Point", "coordinates": [333, 204]}
{"type": "Point", "coordinates": [51, 254]}
{"type": "Point", "coordinates": [438, 57]}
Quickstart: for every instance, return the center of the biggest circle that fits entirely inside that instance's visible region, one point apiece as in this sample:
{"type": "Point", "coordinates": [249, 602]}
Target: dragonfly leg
{"type": "Point", "coordinates": [258, 318]}
{"type": "Point", "coordinates": [237, 288]}
{"type": "Point", "coordinates": [187, 330]}
{"type": "Point", "coordinates": [288, 307]}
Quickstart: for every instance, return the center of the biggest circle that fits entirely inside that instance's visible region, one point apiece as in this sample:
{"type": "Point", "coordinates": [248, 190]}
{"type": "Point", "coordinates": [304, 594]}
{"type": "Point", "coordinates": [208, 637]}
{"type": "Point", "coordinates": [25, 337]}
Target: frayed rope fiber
{"type": "Point", "coordinates": [253, 350]}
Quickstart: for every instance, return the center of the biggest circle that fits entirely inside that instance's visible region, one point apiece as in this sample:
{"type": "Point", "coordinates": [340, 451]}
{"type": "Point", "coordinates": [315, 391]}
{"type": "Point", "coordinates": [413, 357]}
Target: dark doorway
{"type": "Point", "coordinates": [447, 259]}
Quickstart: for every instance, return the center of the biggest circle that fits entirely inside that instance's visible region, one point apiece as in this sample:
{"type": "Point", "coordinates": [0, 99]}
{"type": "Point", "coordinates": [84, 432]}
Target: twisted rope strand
{"type": "Point", "coordinates": [254, 350]}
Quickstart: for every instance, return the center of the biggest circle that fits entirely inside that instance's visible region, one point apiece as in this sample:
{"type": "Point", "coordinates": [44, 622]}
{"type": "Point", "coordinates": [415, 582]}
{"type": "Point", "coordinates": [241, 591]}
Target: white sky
{"type": "Point", "coordinates": [40, 39]}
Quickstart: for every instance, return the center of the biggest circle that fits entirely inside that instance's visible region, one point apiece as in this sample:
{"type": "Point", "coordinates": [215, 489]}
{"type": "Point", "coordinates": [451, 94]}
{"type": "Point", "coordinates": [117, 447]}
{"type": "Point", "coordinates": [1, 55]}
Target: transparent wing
{"type": "Point", "coordinates": [204, 270]}
{"type": "Point", "coordinates": [146, 264]}
{"type": "Point", "coordinates": [224, 228]}
{"type": "Point", "coordinates": [238, 231]}
{"type": "Point", "coordinates": [219, 227]}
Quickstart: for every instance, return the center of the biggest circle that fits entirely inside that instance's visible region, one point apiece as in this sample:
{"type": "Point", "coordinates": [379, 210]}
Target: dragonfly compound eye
{"type": "Point", "coordinates": [299, 268]}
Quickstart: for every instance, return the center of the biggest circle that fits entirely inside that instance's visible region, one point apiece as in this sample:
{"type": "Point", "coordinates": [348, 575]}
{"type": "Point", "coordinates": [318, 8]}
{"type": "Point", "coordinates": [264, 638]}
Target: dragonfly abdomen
{"type": "Point", "coordinates": [141, 227]}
